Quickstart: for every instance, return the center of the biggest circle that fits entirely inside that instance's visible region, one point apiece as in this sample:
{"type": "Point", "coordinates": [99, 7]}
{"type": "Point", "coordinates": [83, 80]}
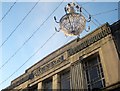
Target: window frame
{"type": "Point", "coordinates": [100, 73]}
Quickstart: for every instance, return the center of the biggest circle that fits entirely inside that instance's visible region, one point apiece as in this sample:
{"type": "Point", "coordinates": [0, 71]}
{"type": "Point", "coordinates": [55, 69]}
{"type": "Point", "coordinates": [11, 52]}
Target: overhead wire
{"type": "Point", "coordinates": [86, 11]}
{"type": "Point", "coordinates": [104, 12]}
{"type": "Point", "coordinates": [19, 24]}
{"type": "Point", "coordinates": [71, 37]}
{"type": "Point", "coordinates": [31, 36]}
{"type": "Point", "coordinates": [38, 48]}
{"type": "Point", "coordinates": [32, 56]}
{"type": "Point", "coordinates": [8, 11]}
{"type": "Point", "coordinates": [84, 3]}
{"type": "Point", "coordinates": [98, 14]}
{"type": "Point", "coordinates": [29, 58]}
{"type": "Point", "coordinates": [91, 20]}
{"type": "Point", "coordinates": [90, 15]}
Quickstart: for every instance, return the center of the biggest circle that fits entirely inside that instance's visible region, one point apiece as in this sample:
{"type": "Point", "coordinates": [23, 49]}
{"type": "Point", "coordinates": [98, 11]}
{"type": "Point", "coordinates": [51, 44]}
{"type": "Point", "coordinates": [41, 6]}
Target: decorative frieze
{"type": "Point", "coordinates": [88, 42]}
{"type": "Point", "coordinates": [48, 66]}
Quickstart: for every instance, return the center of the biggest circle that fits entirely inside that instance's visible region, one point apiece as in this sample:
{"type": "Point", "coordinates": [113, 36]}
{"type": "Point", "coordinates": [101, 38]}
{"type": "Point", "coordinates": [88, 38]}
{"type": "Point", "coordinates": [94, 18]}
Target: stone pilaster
{"type": "Point", "coordinates": [40, 86]}
{"type": "Point", "coordinates": [56, 82]}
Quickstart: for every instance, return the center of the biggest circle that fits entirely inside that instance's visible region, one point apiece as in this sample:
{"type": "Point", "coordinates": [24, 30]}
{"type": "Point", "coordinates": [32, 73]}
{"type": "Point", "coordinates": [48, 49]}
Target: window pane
{"type": "Point", "coordinates": [93, 74]}
{"type": "Point", "coordinates": [65, 80]}
{"type": "Point", "coordinates": [48, 85]}
{"type": "Point", "coordinates": [92, 61]}
{"type": "Point", "coordinates": [97, 84]}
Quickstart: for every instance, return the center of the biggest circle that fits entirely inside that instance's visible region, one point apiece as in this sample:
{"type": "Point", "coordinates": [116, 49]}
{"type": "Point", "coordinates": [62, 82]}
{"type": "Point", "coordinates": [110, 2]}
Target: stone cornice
{"type": "Point", "coordinates": [103, 33]}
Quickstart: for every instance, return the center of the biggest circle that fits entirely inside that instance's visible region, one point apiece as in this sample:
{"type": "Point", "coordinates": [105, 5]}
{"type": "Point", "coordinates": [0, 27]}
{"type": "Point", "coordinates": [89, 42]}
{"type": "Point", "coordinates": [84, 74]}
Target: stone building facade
{"type": "Point", "coordinates": [92, 62]}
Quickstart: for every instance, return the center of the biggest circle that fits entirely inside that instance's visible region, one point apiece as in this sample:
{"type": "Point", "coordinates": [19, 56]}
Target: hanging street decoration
{"type": "Point", "coordinates": [73, 22]}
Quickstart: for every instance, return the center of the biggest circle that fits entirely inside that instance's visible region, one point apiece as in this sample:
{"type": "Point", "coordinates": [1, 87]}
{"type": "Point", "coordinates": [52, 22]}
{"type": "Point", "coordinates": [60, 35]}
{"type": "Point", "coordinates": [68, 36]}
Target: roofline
{"type": "Point", "coordinates": [61, 48]}
{"type": "Point", "coordinates": [66, 45]}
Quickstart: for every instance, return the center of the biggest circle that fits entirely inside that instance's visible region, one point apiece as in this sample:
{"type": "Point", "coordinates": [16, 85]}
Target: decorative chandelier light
{"type": "Point", "coordinates": [73, 22]}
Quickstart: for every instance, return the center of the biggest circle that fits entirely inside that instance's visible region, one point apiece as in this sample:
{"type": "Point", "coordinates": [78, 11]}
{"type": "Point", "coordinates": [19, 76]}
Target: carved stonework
{"type": "Point", "coordinates": [88, 42]}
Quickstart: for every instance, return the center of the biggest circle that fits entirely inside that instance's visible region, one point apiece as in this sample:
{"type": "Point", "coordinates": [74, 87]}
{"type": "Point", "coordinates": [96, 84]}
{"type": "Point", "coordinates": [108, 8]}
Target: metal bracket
{"type": "Point", "coordinates": [56, 20]}
{"type": "Point", "coordinates": [80, 9]}
{"type": "Point", "coordinates": [57, 30]}
{"type": "Point", "coordinates": [78, 38]}
{"type": "Point", "coordinates": [89, 19]}
{"type": "Point", "coordinates": [88, 29]}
